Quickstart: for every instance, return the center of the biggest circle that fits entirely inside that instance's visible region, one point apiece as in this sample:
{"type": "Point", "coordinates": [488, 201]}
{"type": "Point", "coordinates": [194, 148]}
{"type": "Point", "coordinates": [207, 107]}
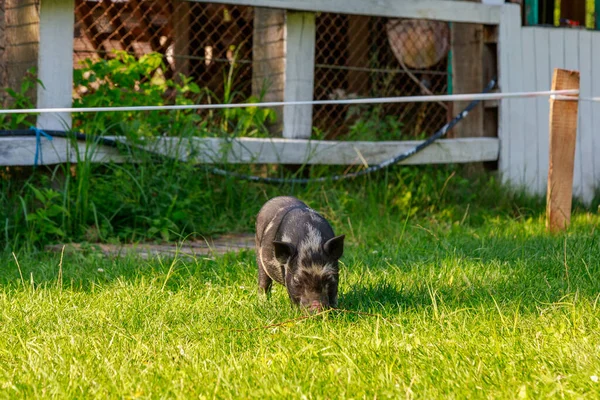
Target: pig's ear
{"type": "Point", "coordinates": [334, 247]}
{"type": "Point", "coordinates": [284, 251]}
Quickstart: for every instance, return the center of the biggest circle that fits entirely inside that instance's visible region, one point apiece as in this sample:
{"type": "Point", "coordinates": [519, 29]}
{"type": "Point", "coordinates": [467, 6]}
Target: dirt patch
{"type": "Point", "coordinates": [209, 247]}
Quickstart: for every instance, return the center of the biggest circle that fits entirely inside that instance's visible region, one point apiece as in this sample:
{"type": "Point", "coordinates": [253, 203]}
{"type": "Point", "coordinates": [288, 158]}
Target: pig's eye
{"type": "Point", "coordinates": [296, 280]}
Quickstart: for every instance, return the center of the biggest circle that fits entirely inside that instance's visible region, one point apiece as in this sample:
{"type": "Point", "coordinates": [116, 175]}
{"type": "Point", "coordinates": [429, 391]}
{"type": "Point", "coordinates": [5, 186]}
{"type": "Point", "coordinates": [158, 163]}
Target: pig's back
{"type": "Point", "coordinates": [272, 212]}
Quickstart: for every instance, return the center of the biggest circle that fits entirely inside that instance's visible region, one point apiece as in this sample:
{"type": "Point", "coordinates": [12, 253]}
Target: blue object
{"type": "Point", "coordinates": [38, 144]}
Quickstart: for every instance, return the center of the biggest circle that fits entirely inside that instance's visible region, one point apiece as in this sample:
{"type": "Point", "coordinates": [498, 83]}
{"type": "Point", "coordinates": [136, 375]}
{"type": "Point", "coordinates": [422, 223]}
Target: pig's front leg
{"type": "Point", "coordinates": [332, 294]}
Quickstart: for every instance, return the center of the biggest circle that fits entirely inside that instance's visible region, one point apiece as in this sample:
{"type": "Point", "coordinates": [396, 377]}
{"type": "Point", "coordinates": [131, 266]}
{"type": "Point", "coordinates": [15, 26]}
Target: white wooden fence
{"type": "Point", "coordinates": [526, 58]}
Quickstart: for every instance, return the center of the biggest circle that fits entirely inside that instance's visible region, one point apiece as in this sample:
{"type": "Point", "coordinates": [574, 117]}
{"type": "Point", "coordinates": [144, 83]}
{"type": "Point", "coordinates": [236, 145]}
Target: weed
{"type": "Point", "coordinates": [20, 99]}
{"type": "Point", "coordinates": [43, 215]}
{"type": "Point", "coordinates": [125, 81]}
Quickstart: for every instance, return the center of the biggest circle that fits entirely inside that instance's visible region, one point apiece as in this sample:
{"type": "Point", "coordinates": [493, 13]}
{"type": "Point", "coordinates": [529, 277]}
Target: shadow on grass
{"type": "Point", "coordinates": [368, 297]}
{"type": "Point", "coordinates": [473, 272]}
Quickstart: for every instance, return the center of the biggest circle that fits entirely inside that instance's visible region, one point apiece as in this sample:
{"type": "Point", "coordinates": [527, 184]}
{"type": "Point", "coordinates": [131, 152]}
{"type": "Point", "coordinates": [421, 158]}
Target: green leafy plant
{"type": "Point", "coordinates": [128, 81]}
{"type": "Point", "coordinates": [20, 99]}
{"type": "Point", "coordinates": [373, 125]}
{"type": "Point", "coordinates": [43, 214]}
{"type": "Point", "coordinates": [249, 121]}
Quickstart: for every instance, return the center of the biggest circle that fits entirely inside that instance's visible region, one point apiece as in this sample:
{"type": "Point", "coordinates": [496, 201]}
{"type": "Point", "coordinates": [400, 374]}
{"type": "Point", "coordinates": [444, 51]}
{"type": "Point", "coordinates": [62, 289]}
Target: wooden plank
{"type": "Point", "coordinates": [466, 42]}
{"type": "Point", "coordinates": [467, 74]}
{"type": "Point", "coordinates": [358, 54]}
{"type": "Point", "coordinates": [442, 10]}
{"type": "Point", "coordinates": [299, 73]}
{"type": "Point", "coordinates": [517, 146]}
{"type": "Point", "coordinates": [557, 49]}
{"type": "Point", "coordinates": [595, 110]}
{"type": "Point", "coordinates": [504, 67]}
{"type": "Point", "coordinates": [571, 43]}
{"type": "Point", "coordinates": [490, 71]}
{"type": "Point", "coordinates": [55, 62]}
{"type": "Point", "coordinates": [563, 133]}
{"type": "Point", "coordinates": [511, 113]}
{"type": "Point", "coordinates": [584, 153]}
{"type": "Point", "coordinates": [556, 45]}
{"type": "Point", "coordinates": [268, 59]}
{"type": "Point", "coordinates": [20, 48]}
{"type": "Point", "coordinates": [543, 81]}
{"type": "Point", "coordinates": [180, 21]}
{"type": "Point", "coordinates": [19, 12]}
{"type": "Point", "coordinates": [20, 151]}
{"type": "Point", "coordinates": [529, 121]}
{"type": "Point", "coordinates": [490, 34]}
{"type": "Point", "coordinates": [2, 53]}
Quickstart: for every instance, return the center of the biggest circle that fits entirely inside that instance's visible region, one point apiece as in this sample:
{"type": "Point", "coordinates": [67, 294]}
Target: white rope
{"type": "Point", "coordinates": [380, 100]}
{"type": "Point", "coordinates": [573, 98]}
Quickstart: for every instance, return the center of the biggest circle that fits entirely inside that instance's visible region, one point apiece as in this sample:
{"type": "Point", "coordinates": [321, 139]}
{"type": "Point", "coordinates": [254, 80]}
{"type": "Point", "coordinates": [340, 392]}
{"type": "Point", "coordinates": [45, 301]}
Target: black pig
{"type": "Point", "coordinates": [296, 247]}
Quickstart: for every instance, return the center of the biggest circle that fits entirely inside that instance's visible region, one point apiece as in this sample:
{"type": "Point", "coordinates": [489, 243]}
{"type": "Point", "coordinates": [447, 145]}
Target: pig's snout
{"type": "Point", "coordinates": [316, 306]}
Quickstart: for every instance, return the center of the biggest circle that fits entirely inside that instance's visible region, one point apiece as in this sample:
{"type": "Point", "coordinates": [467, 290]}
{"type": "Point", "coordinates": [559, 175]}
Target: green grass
{"type": "Point", "coordinates": [477, 305]}
{"type": "Point", "coordinates": [450, 286]}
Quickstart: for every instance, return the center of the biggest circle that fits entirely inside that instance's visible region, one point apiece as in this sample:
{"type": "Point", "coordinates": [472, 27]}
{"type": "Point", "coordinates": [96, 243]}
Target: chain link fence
{"type": "Point", "coordinates": [360, 56]}
{"type": "Point", "coordinates": [355, 56]}
{"type": "Point", "coordinates": [197, 40]}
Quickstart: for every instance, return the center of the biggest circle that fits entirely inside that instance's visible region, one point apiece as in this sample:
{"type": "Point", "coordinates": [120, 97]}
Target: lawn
{"type": "Point", "coordinates": [450, 285]}
{"type": "Point", "coordinates": [477, 304]}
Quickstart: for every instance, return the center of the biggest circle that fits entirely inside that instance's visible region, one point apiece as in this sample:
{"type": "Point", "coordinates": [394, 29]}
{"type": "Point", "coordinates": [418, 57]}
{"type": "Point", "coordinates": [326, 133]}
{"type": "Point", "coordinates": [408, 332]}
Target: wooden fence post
{"type": "Point", "coordinates": [268, 59]}
{"type": "Point", "coordinates": [467, 46]}
{"type": "Point", "coordinates": [55, 62]}
{"type": "Point", "coordinates": [299, 73]}
{"type": "Point", "coordinates": [181, 37]}
{"type": "Point", "coordinates": [358, 53]}
{"type": "Point", "coordinates": [563, 134]}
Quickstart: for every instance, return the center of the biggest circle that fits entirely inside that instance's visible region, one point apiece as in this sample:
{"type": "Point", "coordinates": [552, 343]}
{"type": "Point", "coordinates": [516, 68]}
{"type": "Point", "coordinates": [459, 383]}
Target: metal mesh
{"type": "Point", "coordinates": [198, 40]}
{"type": "Point", "coordinates": [355, 56]}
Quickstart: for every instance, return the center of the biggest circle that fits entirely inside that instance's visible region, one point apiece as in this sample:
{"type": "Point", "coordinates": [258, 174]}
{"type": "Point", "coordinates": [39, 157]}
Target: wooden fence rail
{"type": "Point", "coordinates": [21, 151]}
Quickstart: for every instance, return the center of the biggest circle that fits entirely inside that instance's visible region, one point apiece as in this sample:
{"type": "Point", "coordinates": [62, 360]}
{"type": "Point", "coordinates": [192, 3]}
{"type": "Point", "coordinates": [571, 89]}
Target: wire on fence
{"type": "Point", "coordinates": [475, 99]}
{"type": "Point", "coordinates": [560, 94]}
{"type": "Point", "coordinates": [217, 171]}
